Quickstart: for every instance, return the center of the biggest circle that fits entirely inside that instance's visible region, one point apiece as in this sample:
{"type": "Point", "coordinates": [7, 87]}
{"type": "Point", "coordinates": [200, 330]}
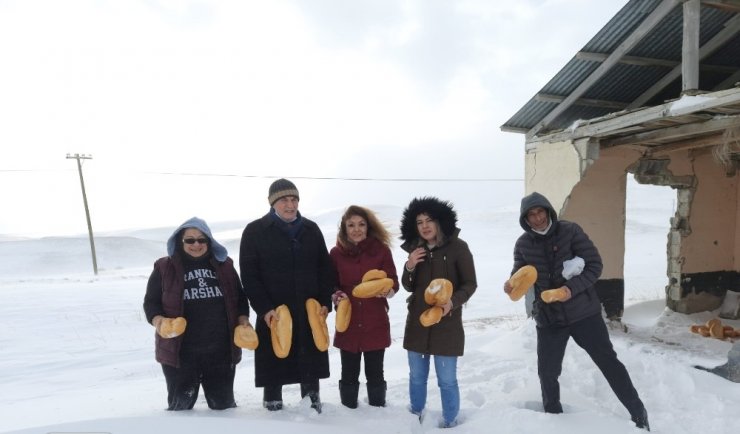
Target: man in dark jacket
{"type": "Point", "coordinates": [572, 308]}
{"type": "Point", "coordinates": [283, 260]}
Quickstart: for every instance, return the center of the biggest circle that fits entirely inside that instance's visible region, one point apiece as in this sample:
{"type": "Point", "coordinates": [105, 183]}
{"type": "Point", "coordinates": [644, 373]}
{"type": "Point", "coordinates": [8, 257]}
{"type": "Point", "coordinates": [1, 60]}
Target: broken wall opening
{"type": "Point", "coordinates": [649, 209]}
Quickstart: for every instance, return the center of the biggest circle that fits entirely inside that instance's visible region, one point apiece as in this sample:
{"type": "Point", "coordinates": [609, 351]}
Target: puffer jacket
{"type": "Point", "coordinates": [563, 241]}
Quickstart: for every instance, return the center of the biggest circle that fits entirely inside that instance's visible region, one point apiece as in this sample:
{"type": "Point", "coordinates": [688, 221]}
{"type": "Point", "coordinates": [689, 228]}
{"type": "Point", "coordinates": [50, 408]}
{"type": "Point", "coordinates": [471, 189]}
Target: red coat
{"type": "Point", "coordinates": [369, 328]}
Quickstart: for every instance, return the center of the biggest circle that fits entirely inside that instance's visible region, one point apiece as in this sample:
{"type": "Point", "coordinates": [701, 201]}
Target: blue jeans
{"type": "Point", "coordinates": [446, 369]}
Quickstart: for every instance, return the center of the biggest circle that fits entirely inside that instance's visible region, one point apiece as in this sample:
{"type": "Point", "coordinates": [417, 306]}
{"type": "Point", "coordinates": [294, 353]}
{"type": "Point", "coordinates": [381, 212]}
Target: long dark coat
{"type": "Point", "coordinates": [454, 262]}
{"type": "Point", "coordinates": [276, 270]}
{"type": "Point", "coordinates": [369, 328]}
{"type": "Point", "coordinates": [451, 260]}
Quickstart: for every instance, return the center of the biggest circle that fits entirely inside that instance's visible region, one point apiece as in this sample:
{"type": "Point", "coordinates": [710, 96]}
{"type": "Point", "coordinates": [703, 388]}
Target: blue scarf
{"type": "Point", "coordinates": [292, 229]}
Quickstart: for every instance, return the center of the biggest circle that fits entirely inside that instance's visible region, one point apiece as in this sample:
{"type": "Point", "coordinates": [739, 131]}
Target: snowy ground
{"type": "Point", "coordinates": [77, 353]}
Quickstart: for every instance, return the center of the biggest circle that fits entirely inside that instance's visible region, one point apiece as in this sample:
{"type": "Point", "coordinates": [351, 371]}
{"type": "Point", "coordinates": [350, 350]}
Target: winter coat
{"type": "Point", "coordinates": [165, 292]}
{"type": "Point", "coordinates": [451, 260]}
{"type": "Point", "coordinates": [369, 328]}
{"type": "Point", "coordinates": [563, 241]}
{"type": "Point", "coordinates": [277, 270]}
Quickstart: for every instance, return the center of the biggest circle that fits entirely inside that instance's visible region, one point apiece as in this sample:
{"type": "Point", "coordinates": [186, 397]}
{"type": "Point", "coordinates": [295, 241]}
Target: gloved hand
{"type": "Point", "coordinates": [169, 327]}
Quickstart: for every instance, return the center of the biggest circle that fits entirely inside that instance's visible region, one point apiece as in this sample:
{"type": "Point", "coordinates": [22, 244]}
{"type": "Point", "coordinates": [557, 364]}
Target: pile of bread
{"type": "Point", "coordinates": [715, 329]}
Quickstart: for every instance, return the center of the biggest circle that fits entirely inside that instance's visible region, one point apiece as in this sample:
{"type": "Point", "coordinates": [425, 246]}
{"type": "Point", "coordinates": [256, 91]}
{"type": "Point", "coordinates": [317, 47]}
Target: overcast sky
{"type": "Point", "coordinates": [157, 91]}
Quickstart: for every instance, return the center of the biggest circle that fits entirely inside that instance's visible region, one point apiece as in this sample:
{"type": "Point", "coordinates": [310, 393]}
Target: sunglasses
{"type": "Point", "coordinates": [195, 240]}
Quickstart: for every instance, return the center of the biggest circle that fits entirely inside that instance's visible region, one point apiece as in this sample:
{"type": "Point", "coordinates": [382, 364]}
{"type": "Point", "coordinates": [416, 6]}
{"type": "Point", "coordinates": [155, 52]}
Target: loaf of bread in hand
{"type": "Point", "coordinates": [317, 322]}
{"type": "Point", "coordinates": [172, 327]}
{"type": "Point", "coordinates": [553, 295]}
{"type": "Point", "coordinates": [438, 292]}
{"type": "Point", "coordinates": [281, 331]}
{"type": "Point", "coordinates": [431, 316]}
{"type": "Point", "coordinates": [344, 314]}
{"type": "Point", "coordinates": [521, 281]}
{"type": "Point", "coordinates": [245, 337]}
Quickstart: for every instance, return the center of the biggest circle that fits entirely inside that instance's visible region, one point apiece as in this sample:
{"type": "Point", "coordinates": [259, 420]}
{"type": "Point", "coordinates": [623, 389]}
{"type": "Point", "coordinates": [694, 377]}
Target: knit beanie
{"type": "Point", "coordinates": [281, 188]}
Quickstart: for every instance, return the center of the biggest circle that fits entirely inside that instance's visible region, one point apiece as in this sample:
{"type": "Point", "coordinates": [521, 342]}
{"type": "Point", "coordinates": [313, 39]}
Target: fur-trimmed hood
{"type": "Point", "coordinates": [438, 210]}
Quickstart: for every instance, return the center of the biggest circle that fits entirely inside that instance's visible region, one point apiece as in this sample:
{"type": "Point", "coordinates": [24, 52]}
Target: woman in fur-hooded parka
{"type": "Point", "coordinates": [451, 259]}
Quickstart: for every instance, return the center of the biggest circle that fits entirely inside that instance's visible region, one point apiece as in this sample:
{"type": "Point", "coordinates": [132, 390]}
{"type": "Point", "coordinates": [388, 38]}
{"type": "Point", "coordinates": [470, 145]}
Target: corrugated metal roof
{"type": "Point", "coordinates": [644, 65]}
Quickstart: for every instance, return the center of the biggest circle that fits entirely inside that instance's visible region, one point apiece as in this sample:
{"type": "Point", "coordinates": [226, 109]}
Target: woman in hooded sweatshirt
{"type": "Point", "coordinates": [430, 234]}
{"type": "Point", "coordinates": [195, 301]}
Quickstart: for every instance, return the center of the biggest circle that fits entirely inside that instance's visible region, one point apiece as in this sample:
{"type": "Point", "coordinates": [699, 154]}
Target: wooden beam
{"type": "Point", "coordinates": [520, 130]}
{"type": "Point", "coordinates": [675, 133]}
{"type": "Point", "coordinates": [588, 102]}
{"type": "Point", "coordinates": [702, 142]}
{"type": "Point", "coordinates": [652, 20]}
{"type": "Point", "coordinates": [690, 47]}
{"type": "Point", "coordinates": [651, 61]}
{"type": "Point", "coordinates": [728, 82]}
{"type": "Point", "coordinates": [725, 5]}
{"type": "Point", "coordinates": [732, 26]}
{"type": "Point", "coordinates": [611, 124]}
{"type": "Point", "coordinates": [628, 60]}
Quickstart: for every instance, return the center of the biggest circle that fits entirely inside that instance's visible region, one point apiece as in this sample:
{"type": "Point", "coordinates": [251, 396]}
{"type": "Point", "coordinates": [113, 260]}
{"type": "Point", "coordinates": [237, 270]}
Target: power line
{"type": "Point", "coordinates": [337, 178]}
{"type": "Point", "coordinates": [318, 178]}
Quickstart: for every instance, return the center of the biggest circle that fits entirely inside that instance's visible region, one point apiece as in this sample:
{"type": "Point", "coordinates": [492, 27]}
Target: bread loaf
{"type": "Point", "coordinates": [374, 274]}
{"type": "Point", "coordinates": [172, 327]}
{"type": "Point", "coordinates": [521, 281]}
{"type": "Point", "coordinates": [245, 337]}
{"type": "Point", "coordinates": [281, 331]}
{"type": "Point", "coordinates": [318, 324]}
{"type": "Point", "coordinates": [552, 295]}
{"type": "Point", "coordinates": [438, 292]}
{"type": "Point", "coordinates": [715, 328]}
{"type": "Point", "coordinates": [344, 314]}
{"type": "Point", "coordinates": [431, 316]}
{"type": "Point", "coordinates": [373, 288]}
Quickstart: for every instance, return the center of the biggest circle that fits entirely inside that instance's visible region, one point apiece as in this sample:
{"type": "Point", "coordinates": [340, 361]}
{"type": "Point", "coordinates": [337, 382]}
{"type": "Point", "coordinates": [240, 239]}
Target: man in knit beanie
{"type": "Point", "coordinates": [284, 260]}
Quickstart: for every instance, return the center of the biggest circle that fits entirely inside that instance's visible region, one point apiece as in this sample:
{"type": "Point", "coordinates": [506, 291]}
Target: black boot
{"type": "Point", "coordinates": [272, 398]}
{"type": "Point", "coordinates": [376, 394]}
{"type": "Point", "coordinates": [641, 420]}
{"type": "Point", "coordinates": [312, 391]}
{"type": "Point", "coordinates": [348, 393]}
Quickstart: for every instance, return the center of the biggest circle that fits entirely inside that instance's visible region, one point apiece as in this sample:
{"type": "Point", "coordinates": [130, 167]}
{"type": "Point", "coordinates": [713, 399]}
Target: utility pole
{"type": "Point", "coordinates": [79, 157]}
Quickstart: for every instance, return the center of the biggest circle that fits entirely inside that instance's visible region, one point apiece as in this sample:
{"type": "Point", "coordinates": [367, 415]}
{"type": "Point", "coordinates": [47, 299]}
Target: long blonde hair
{"type": "Point", "coordinates": [375, 228]}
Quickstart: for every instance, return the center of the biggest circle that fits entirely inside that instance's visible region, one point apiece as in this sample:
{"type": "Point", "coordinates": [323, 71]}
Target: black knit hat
{"type": "Point", "coordinates": [281, 188]}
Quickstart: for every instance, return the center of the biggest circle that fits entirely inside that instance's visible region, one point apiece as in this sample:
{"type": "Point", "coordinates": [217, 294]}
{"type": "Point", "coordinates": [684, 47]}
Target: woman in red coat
{"type": "Point", "coordinates": [362, 245]}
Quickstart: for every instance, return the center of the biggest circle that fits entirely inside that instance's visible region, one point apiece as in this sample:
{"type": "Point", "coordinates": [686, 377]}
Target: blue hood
{"type": "Point", "coordinates": [217, 250]}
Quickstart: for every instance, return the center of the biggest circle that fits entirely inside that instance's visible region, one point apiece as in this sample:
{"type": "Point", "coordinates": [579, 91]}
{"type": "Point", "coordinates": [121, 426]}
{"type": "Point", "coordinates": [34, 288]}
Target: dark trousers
{"type": "Point", "coordinates": [591, 335]}
{"type": "Point", "coordinates": [273, 393]}
{"type": "Point", "coordinates": [373, 367]}
{"type": "Point", "coordinates": [214, 372]}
